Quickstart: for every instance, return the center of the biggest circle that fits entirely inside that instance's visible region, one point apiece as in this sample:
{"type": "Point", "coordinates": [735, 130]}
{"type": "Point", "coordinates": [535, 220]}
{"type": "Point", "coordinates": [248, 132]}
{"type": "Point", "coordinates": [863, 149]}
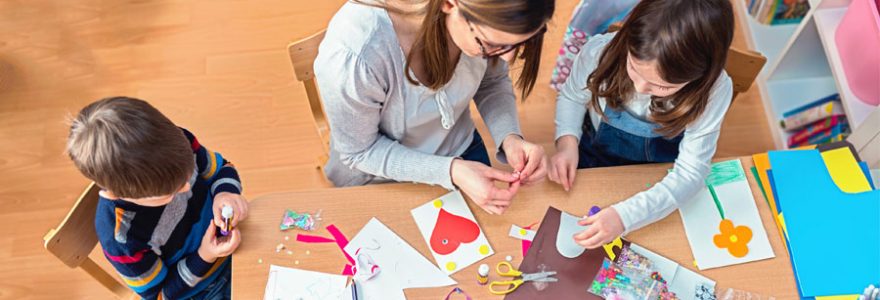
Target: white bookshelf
{"type": "Point", "coordinates": [803, 64]}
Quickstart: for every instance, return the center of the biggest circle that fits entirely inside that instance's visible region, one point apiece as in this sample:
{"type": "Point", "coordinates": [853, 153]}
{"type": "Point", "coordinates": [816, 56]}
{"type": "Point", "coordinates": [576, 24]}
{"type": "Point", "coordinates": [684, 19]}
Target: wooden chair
{"type": "Point", "coordinates": [73, 240]}
{"type": "Point", "coordinates": [302, 55]}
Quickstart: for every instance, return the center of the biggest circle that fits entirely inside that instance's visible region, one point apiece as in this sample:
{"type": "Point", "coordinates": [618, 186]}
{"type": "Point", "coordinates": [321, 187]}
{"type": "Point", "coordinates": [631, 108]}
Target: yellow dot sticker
{"type": "Point", "coordinates": [522, 232]}
{"type": "Point", "coordinates": [438, 203]}
{"type": "Point", "coordinates": [484, 249]}
{"type": "Point", "coordinates": [450, 266]}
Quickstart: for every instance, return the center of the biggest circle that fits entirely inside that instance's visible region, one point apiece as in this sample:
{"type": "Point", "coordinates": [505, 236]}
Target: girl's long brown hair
{"type": "Point", "coordinates": [688, 39]}
{"type": "Point", "coordinates": [511, 16]}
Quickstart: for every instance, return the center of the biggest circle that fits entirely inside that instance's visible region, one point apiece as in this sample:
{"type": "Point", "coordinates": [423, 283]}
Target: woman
{"type": "Point", "coordinates": [397, 77]}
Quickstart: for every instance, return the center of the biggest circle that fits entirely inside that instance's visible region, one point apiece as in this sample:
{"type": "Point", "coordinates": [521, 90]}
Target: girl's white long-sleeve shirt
{"type": "Point", "coordinates": [696, 150]}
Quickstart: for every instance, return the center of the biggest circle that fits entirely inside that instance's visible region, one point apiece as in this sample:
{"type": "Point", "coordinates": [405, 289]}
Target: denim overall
{"type": "Point", "coordinates": [623, 139]}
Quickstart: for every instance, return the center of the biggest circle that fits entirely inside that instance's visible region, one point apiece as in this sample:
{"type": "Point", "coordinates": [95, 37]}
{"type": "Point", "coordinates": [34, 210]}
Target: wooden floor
{"type": "Point", "coordinates": [217, 67]}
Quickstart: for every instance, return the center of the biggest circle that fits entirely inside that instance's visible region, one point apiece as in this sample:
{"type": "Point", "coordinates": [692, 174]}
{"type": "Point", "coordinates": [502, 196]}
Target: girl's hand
{"type": "Point", "coordinates": [477, 181]}
{"type": "Point", "coordinates": [213, 246]}
{"type": "Point", "coordinates": [605, 226]}
{"type": "Point", "coordinates": [563, 165]}
{"type": "Point", "coordinates": [237, 202]}
{"type": "Point", "coordinates": [526, 158]}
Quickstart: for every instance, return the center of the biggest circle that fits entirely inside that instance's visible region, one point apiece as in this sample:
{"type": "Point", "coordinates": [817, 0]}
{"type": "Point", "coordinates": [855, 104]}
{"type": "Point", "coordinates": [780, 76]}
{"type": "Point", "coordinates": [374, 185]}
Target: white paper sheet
{"type": "Point", "coordinates": [565, 243]}
{"type": "Point", "coordinates": [701, 220]}
{"type": "Point", "coordinates": [458, 232]}
{"type": "Point", "coordinates": [401, 266]}
{"type": "Point", "coordinates": [521, 233]}
{"type": "Point", "coordinates": [681, 281]}
{"type": "Point", "coordinates": [295, 284]}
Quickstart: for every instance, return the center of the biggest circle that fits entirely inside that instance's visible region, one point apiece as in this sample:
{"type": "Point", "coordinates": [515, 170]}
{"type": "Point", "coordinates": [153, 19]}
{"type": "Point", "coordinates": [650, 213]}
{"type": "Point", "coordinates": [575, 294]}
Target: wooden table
{"type": "Point", "coordinates": [350, 208]}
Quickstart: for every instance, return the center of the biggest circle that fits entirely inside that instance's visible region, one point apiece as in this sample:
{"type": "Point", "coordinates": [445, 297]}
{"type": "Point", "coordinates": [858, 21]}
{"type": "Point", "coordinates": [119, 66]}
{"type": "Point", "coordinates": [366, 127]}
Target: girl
{"type": "Point", "coordinates": [396, 78]}
{"type": "Point", "coordinates": [656, 91]}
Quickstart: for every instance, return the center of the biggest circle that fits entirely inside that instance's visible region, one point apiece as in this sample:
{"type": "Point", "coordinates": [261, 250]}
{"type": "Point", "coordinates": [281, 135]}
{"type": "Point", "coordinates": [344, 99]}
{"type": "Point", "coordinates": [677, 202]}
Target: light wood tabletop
{"type": "Point", "coordinates": [350, 208]}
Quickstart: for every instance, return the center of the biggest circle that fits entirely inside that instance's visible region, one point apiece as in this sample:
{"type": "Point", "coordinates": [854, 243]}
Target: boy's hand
{"type": "Point", "coordinates": [213, 247]}
{"type": "Point", "coordinates": [526, 158]}
{"type": "Point", "coordinates": [605, 226]}
{"type": "Point", "coordinates": [237, 202]}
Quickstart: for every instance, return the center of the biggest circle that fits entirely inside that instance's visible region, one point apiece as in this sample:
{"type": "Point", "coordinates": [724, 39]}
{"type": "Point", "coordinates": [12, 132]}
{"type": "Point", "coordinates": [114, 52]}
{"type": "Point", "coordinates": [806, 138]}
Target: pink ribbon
{"type": "Point", "coordinates": [340, 240]}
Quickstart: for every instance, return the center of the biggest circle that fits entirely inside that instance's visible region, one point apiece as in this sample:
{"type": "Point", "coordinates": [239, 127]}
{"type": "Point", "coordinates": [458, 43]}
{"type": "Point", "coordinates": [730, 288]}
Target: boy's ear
{"type": "Point", "coordinates": [186, 187]}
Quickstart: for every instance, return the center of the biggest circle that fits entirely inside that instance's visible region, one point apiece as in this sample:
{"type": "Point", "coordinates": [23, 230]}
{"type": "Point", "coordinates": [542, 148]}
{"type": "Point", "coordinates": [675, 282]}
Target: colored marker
{"type": "Point", "coordinates": [593, 210]}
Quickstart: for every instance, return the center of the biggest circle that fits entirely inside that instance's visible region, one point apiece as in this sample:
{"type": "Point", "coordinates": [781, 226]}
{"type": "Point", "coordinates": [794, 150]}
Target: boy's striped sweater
{"type": "Point", "coordinates": [154, 249]}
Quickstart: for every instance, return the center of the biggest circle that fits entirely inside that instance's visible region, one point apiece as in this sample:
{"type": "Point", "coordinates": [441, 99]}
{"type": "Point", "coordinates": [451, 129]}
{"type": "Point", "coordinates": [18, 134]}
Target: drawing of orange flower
{"type": "Point", "coordinates": [735, 239]}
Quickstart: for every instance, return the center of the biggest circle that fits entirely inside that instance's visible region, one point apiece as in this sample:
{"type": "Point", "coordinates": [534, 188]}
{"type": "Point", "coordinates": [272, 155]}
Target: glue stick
{"type": "Point", "coordinates": [483, 274]}
{"type": "Point", "coordinates": [226, 213]}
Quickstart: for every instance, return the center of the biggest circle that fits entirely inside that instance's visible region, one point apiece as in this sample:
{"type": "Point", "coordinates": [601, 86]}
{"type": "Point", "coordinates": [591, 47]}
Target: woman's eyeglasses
{"type": "Point", "coordinates": [498, 50]}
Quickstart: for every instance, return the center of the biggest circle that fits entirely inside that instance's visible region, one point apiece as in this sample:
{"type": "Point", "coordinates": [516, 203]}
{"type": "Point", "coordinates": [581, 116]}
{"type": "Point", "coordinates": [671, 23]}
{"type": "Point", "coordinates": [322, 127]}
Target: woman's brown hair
{"type": "Point", "coordinates": [511, 16]}
{"type": "Point", "coordinates": [688, 39]}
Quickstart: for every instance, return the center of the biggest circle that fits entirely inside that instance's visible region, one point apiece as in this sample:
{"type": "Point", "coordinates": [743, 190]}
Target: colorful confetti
{"type": "Point", "coordinates": [304, 221]}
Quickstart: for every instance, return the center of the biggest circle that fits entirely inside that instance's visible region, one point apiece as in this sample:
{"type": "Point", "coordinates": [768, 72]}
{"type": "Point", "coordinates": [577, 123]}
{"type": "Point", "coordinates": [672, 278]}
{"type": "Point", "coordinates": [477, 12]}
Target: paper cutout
{"type": "Point", "coordinates": [845, 171]}
{"type": "Point", "coordinates": [734, 239]}
{"type": "Point", "coordinates": [804, 187]}
{"type": "Point", "coordinates": [402, 266]}
{"type": "Point", "coordinates": [521, 233]}
{"type": "Point", "coordinates": [448, 226]}
{"type": "Point", "coordinates": [565, 244]}
{"type": "Point", "coordinates": [701, 223]}
{"type": "Point", "coordinates": [294, 284]}
{"type": "Point", "coordinates": [450, 231]}
{"type": "Point", "coordinates": [609, 248]}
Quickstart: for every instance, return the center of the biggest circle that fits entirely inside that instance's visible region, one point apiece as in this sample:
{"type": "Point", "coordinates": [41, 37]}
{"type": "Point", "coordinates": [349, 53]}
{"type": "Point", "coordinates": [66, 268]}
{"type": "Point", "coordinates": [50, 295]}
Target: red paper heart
{"type": "Point", "coordinates": [451, 231]}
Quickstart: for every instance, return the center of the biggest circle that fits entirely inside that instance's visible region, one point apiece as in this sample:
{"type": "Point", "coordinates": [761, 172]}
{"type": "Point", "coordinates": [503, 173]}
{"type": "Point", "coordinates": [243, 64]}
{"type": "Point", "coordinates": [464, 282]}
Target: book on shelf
{"type": "Point", "coordinates": [823, 125]}
{"type": "Point", "coordinates": [777, 12]}
{"type": "Point", "coordinates": [811, 112]}
{"type": "Point", "coordinates": [835, 133]}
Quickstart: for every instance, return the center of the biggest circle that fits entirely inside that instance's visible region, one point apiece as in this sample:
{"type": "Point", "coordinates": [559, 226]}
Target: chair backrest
{"type": "Point", "coordinates": [743, 66]}
{"type": "Point", "coordinates": [302, 55]}
{"type": "Point", "coordinates": [73, 240]}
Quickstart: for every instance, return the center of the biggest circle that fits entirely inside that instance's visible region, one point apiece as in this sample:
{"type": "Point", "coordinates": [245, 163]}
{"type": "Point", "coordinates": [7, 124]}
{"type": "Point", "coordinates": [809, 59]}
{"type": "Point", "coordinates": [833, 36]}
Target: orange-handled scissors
{"type": "Point", "coordinates": [511, 285]}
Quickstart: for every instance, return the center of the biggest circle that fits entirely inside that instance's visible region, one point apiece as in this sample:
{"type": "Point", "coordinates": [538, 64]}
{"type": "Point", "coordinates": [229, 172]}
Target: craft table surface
{"type": "Point", "coordinates": [350, 208]}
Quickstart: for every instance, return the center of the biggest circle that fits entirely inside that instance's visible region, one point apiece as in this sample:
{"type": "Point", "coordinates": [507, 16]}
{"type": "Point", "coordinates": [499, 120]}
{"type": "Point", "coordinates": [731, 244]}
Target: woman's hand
{"type": "Point", "coordinates": [477, 181]}
{"type": "Point", "coordinates": [526, 158]}
{"type": "Point", "coordinates": [563, 165]}
{"type": "Point", "coordinates": [605, 226]}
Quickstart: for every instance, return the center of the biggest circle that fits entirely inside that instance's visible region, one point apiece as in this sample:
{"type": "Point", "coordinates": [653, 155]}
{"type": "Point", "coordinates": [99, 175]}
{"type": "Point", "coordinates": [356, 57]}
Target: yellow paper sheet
{"type": "Point", "coordinates": [840, 297]}
{"type": "Point", "coordinates": [845, 171]}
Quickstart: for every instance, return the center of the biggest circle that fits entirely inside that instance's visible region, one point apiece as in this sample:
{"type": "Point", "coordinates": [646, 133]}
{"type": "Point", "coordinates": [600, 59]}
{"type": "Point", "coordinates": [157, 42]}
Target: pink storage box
{"type": "Point", "coordinates": [858, 41]}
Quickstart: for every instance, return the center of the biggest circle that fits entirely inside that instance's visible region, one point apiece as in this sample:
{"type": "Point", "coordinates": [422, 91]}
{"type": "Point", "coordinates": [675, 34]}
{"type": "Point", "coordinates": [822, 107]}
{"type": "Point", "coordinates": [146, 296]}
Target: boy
{"type": "Point", "coordinates": [160, 192]}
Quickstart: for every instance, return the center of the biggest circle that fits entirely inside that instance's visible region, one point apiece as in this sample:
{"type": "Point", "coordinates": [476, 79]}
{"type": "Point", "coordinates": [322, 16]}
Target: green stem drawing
{"type": "Point", "coordinates": [717, 202]}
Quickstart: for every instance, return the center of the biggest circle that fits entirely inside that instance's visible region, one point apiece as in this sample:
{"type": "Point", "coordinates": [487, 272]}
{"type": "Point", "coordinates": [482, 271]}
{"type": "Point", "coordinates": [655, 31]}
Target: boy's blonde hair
{"type": "Point", "coordinates": [128, 147]}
